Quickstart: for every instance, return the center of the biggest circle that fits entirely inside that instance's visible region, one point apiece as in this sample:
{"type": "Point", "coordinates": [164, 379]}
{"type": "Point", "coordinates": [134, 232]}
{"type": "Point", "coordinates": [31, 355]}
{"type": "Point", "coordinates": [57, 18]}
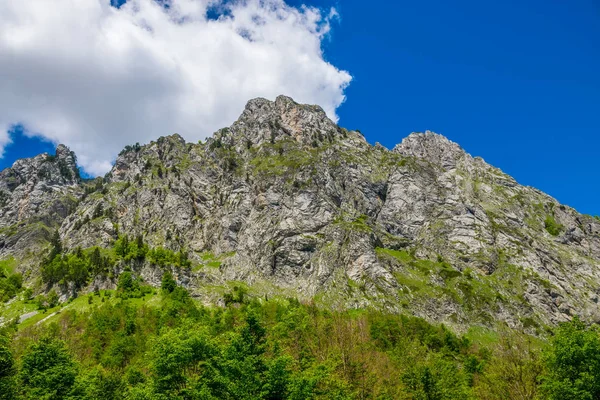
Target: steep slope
{"type": "Point", "coordinates": [36, 195]}
{"type": "Point", "coordinates": [289, 203]}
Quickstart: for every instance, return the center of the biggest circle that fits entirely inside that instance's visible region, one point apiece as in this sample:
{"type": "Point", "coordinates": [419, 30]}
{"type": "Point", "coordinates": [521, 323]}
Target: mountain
{"type": "Point", "coordinates": [286, 203]}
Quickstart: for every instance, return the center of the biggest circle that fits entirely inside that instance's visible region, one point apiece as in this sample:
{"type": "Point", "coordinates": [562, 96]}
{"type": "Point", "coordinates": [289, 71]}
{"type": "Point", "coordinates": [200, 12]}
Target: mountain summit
{"type": "Point", "coordinates": [287, 203]}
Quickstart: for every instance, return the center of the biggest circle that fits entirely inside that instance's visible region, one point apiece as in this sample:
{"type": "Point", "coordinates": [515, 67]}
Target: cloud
{"type": "Point", "coordinates": [98, 77]}
{"type": "Point", "coordinates": [4, 138]}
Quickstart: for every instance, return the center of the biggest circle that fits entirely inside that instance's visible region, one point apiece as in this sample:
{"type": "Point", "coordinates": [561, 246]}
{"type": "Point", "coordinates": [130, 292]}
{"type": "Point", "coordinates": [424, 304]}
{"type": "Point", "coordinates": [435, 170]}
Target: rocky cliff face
{"type": "Point", "coordinates": [36, 195]}
{"type": "Point", "coordinates": [288, 203]}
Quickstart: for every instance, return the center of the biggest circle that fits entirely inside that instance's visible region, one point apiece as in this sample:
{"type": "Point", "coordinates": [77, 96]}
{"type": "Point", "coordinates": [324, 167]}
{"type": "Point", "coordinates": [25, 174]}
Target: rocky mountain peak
{"type": "Point", "coordinates": [58, 169]}
{"type": "Point", "coordinates": [289, 203]}
{"type": "Point", "coordinates": [265, 121]}
{"type": "Point", "coordinates": [433, 147]}
{"type": "Point", "coordinates": [136, 160]}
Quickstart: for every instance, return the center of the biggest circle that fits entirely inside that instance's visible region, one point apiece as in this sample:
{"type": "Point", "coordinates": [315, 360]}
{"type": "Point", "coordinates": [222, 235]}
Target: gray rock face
{"type": "Point", "coordinates": [36, 194]}
{"type": "Point", "coordinates": [291, 204]}
{"type": "Point", "coordinates": [264, 121]}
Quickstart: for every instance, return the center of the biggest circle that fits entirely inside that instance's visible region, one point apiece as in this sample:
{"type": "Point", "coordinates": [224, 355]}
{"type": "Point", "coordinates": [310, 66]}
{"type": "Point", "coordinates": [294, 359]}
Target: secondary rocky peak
{"type": "Point", "coordinates": [175, 139]}
{"type": "Point", "coordinates": [57, 169]}
{"type": "Point", "coordinates": [63, 151]}
{"type": "Point", "coordinates": [136, 160]}
{"type": "Point", "coordinates": [431, 146]}
{"type": "Point", "coordinates": [66, 161]}
{"type": "Point", "coordinates": [42, 188]}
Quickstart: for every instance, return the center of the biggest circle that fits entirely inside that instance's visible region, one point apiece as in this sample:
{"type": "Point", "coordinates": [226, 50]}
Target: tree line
{"type": "Point", "coordinates": [281, 349]}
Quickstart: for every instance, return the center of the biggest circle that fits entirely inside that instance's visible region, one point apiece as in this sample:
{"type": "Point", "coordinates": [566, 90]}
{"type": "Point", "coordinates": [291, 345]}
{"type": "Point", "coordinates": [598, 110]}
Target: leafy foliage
{"type": "Point", "coordinates": [168, 284]}
{"type": "Point", "coordinates": [250, 350]}
{"type": "Point", "coordinates": [130, 287]}
{"type": "Point", "coordinates": [77, 267]}
{"type": "Point", "coordinates": [162, 257]}
{"type": "Point", "coordinates": [7, 371]}
{"type": "Point", "coordinates": [553, 227]}
{"type": "Point", "coordinates": [47, 370]}
{"type": "Point", "coordinates": [282, 349]}
{"type": "Point", "coordinates": [236, 296]}
{"type": "Point", "coordinates": [130, 148]}
{"type": "Point", "coordinates": [82, 265]}
{"type": "Point", "coordinates": [129, 250]}
{"type": "Point", "coordinates": [514, 369]}
{"type": "Point", "coordinates": [573, 363]}
{"type": "Point", "coordinates": [10, 283]}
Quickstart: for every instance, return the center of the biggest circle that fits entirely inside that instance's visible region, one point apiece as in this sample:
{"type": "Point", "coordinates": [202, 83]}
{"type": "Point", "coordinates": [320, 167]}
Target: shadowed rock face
{"type": "Point", "coordinates": [289, 203]}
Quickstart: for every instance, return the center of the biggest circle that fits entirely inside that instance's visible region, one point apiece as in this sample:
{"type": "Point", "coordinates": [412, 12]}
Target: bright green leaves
{"type": "Point", "coordinates": [177, 358]}
{"type": "Point", "coordinates": [98, 384]}
{"type": "Point", "coordinates": [77, 267]}
{"type": "Point", "coordinates": [573, 363]}
{"type": "Point", "coordinates": [7, 371]}
{"type": "Point", "coordinates": [168, 284]}
{"type": "Point", "coordinates": [282, 349]}
{"type": "Point", "coordinates": [10, 283]}
{"type": "Point", "coordinates": [47, 371]}
{"type": "Point", "coordinates": [437, 379]}
{"type": "Point", "coordinates": [552, 227]}
{"type": "Point", "coordinates": [130, 287]}
{"type": "Point", "coordinates": [130, 249]}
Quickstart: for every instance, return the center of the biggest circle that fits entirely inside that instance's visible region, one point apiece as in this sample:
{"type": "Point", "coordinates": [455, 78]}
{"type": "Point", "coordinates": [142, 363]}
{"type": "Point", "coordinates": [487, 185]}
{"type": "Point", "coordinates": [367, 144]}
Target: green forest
{"type": "Point", "coordinates": [138, 342]}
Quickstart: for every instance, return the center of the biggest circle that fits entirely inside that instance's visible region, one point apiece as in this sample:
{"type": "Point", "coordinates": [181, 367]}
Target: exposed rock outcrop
{"type": "Point", "coordinates": [289, 203]}
{"type": "Point", "coordinates": [36, 194]}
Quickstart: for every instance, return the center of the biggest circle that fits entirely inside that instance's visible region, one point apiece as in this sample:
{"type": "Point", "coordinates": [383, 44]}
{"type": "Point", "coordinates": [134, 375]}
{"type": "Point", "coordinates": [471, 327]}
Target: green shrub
{"type": "Point", "coordinates": [40, 302]}
{"type": "Point", "coordinates": [10, 285]}
{"type": "Point", "coordinates": [237, 296]}
{"type": "Point", "coordinates": [162, 257]}
{"type": "Point", "coordinates": [553, 227]}
{"type": "Point", "coordinates": [168, 284]}
{"type": "Point", "coordinates": [130, 287]}
{"type": "Point", "coordinates": [52, 298]}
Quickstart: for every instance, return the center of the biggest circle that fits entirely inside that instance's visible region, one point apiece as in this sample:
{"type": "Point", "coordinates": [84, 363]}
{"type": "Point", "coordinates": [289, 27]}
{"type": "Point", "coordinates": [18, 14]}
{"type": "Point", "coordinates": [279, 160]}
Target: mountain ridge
{"type": "Point", "coordinates": [288, 203]}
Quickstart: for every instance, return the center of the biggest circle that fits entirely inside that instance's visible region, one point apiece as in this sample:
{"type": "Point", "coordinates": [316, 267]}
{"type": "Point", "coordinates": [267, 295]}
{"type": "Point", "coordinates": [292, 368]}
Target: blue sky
{"type": "Point", "coordinates": [515, 82]}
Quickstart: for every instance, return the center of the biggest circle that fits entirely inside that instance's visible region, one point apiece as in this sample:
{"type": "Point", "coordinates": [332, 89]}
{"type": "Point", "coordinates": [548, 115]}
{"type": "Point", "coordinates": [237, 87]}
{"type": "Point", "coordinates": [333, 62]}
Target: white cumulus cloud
{"type": "Point", "coordinates": [97, 77]}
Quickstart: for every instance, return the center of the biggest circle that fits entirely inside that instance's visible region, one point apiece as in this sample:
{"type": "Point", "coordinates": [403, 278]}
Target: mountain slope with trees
{"type": "Point", "coordinates": [290, 204]}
